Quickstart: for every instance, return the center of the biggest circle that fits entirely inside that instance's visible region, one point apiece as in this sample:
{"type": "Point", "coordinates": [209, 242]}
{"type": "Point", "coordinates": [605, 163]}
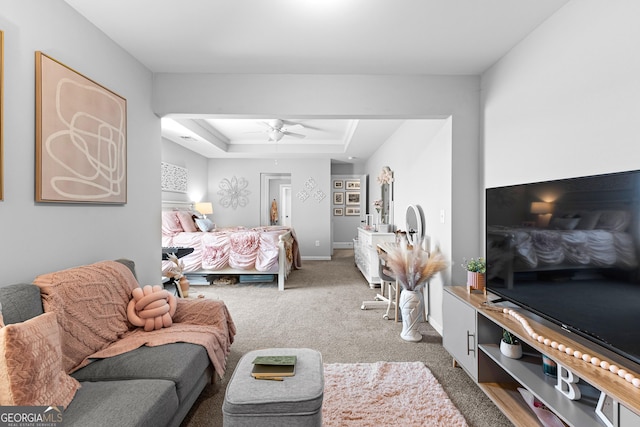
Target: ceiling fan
{"type": "Point", "coordinates": [278, 128]}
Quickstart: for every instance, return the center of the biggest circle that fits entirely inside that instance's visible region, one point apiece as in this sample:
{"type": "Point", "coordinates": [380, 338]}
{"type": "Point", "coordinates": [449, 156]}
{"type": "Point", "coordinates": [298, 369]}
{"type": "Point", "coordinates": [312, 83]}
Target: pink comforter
{"type": "Point", "coordinates": [237, 247]}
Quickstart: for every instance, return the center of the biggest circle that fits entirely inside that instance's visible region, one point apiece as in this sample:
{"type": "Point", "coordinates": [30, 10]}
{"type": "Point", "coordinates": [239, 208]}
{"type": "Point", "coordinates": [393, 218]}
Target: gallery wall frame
{"type": "Point", "coordinates": [353, 197]}
{"type": "Point", "coordinates": [338, 198]}
{"type": "Point", "coordinates": [352, 211]}
{"type": "Point", "coordinates": [338, 211]}
{"type": "Point", "coordinates": [1, 115]}
{"type": "Point", "coordinates": [81, 137]}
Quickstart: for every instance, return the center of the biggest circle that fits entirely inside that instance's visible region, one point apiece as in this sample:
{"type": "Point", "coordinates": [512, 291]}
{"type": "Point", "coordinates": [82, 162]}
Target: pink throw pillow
{"type": "Point", "coordinates": [31, 364]}
{"type": "Point", "coordinates": [170, 223]}
{"type": "Point", "coordinates": [187, 222]}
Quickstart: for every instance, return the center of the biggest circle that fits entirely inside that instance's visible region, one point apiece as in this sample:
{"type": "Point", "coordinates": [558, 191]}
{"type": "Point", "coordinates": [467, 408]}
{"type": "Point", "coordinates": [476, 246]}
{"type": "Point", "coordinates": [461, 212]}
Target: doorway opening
{"type": "Point", "coordinates": [275, 199]}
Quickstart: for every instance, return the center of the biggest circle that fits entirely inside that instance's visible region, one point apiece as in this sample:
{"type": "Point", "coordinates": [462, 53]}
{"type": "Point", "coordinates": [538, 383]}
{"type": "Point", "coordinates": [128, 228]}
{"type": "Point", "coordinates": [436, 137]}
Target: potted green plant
{"type": "Point", "coordinates": [476, 269]}
{"type": "Point", "coordinates": [510, 345]}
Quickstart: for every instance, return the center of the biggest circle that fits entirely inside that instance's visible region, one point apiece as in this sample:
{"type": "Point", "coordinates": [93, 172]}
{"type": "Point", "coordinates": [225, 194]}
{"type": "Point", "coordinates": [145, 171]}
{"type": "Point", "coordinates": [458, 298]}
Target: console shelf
{"type": "Point", "coordinates": [472, 334]}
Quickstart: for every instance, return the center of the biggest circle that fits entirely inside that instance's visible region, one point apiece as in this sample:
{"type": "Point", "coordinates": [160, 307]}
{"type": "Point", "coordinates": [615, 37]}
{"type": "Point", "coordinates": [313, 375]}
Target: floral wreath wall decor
{"type": "Point", "coordinates": [234, 192]}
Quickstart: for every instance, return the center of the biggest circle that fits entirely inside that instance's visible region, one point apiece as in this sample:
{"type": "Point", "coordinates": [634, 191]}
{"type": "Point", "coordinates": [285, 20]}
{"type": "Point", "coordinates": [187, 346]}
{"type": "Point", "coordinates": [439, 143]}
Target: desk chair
{"type": "Point", "coordinates": [389, 291]}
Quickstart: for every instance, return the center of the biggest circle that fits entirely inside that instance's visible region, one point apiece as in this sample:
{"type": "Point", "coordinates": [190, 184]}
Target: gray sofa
{"type": "Point", "coordinates": [149, 386]}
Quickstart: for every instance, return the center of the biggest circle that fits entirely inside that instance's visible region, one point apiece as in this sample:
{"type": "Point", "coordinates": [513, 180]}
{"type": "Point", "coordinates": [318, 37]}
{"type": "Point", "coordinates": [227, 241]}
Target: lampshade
{"type": "Point", "coordinates": [541, 208]}
{"type": "Point", "coordinates": [205, 208]}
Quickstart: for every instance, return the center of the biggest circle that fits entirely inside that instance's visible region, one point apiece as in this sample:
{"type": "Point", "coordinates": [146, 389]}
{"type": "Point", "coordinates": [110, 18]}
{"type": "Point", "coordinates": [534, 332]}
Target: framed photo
{"type": "Point", "coordinates": [352, 211]}
{"type": "Point", "coordinates": [338, 184]}
{"type": "Point", "coordinates": [353, 185]}
{"type": "Point", "coordinates": [81, 137]}
{"type": "Point", "coordinates": [338, 211]}
{"type": "Point", "coordinates": [338, 198]}
{"type": "Point", "coordinates": [353, 197]}
{"type": "Point", "coordinates": [1, 112]}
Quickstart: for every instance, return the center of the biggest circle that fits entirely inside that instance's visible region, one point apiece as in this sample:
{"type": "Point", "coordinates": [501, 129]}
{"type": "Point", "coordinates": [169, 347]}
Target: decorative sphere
{"type": "Point", "coordinates": [534, 336]}
{"type": "Point", "coordinates": [629, 377]}
{"type": "Point", "coordinates": [613, 369]}
{"type": "Point", "coordinates": [586, 357]}
{"type": "Point", "coordinates": [547, 342]}
{"type": "Point", "coordinates": [595, 361]}
{"type": "Point", "coordinates": [577, 354]}
{"type": "Point", "coordinates": [636, 382]}
{"type": "Point", "coordinates": [568, 350]}
{"type": "Point", "coordinates": [604, 364]}
{"type": "Point", "coordinates": [554, 344]}
{"type": "Point", "coordinates": [622, 372]}
{"type": "Point", "coordinates": [505, 310]}
{"type": "Point", "coordinates": [540, 339]}
{"type": "Point", "coordinates": [561, 347]}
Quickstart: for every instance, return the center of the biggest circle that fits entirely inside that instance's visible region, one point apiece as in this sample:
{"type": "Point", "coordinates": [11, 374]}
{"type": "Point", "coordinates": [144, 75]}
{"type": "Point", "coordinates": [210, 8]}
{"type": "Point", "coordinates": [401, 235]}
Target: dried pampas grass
{"type": "Point", "coordinates": [413, 266]}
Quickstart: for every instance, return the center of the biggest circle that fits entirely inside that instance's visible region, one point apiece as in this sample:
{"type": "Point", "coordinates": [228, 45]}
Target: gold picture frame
{"type": "Point", "coordinates": [1, 115]}
{"type": "Point", "coordinates": [81, 137]}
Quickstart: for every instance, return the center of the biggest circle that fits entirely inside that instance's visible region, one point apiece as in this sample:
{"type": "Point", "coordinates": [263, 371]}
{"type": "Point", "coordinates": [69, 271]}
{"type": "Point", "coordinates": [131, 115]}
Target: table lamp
{"type": "Point", "coordinates": [205, 208]}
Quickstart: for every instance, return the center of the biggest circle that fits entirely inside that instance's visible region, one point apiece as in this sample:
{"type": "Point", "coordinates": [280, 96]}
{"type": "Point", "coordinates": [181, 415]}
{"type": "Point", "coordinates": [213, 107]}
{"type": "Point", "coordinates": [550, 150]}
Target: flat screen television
{"type": "Point", "coordinates": [568, 250]}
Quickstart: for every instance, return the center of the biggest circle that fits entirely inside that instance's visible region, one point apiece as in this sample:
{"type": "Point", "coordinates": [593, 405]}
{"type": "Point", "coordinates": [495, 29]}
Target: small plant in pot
{"type": "Point", "coordinates": [476, 268]}
{"type": "Point", "coordinates": [510, 346]}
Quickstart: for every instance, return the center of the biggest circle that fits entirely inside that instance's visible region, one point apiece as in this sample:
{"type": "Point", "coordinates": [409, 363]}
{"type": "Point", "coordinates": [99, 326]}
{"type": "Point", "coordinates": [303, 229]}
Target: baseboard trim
{"type": "Point", "coordinates": [435, 325]}
{"type": "Point", "coordinates": [342, 245]}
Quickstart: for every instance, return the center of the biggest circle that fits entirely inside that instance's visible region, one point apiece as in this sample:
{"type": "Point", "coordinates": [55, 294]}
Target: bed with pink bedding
{"type": "Point", "coordinates": [231, 250]}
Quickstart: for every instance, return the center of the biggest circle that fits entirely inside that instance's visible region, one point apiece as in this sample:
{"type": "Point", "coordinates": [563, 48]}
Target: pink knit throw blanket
{"type": "Point", "coordinates": [91, 306]}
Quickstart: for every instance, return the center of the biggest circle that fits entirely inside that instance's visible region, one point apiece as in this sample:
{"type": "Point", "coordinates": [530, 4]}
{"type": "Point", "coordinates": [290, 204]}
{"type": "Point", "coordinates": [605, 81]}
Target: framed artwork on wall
{"type": "Point", "coordinates": [338, 198]}
{"type": "Point", "coordinates": [174, 178]}
{"type": "Point", "coordinates": [353, 185]}
{"type": "Point", "coordinates": [1, 113]}
{"type": "Point", "coordinates": [81, 137]}
{"type": "Point", "coordinates": [352, 211]}
{"type": "Point", "coordinates": [338, 211]}
{"type": "Point", "coordinates": [353, 197]}
{"type": "Point", "coordinates": [338, 184]}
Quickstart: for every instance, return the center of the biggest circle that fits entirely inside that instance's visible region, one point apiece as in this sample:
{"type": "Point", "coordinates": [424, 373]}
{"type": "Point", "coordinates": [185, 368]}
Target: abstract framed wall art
{"type": "Point", "coordinates": [81, 137]}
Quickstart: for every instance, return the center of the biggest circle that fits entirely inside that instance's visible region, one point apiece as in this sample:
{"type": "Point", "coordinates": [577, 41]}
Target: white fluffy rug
{"type": "Point", "coordinates": [385, 394]}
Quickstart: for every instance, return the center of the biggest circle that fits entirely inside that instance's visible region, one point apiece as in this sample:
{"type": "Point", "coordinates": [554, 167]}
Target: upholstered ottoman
{"type": "Point", "coordinates": [294, 401]}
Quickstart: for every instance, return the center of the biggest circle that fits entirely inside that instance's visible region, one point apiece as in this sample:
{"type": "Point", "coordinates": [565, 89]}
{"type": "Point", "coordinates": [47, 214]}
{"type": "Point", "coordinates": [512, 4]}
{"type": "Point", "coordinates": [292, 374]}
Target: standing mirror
{"type": "Point", "coordinates": [386, 192]}
{"type": "Point", "coordinates": [415, 224]}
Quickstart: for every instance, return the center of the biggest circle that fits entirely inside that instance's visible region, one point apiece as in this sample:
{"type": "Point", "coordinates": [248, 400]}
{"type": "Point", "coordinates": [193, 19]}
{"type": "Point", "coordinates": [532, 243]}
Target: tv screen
{"type": "Point", "coordinates": [568, 250]}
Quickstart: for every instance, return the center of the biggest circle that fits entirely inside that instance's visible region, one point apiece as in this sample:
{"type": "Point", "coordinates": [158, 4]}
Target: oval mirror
{"type": "Point", "coordinates": [415, 224]}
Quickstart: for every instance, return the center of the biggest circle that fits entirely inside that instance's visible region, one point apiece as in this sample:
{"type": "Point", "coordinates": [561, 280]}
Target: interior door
{"type": "Point", "coordinates": [285, 203]}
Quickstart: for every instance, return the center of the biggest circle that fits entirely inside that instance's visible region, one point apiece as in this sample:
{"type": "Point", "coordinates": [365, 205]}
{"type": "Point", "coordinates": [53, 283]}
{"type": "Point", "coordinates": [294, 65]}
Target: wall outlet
{"type": "Point", "coordinates": [317, 242]}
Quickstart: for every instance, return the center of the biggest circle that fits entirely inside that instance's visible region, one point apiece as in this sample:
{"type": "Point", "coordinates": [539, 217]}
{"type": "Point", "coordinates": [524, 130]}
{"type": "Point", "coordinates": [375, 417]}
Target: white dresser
{"type": "Point", "coordinates": [366, 254]}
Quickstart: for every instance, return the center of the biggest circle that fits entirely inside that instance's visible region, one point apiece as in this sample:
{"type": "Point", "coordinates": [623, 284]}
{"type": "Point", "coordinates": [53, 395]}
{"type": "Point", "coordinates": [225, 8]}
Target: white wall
{"type": "Point", "coordinates": [310, 218]}
{"type": "Point", "coordinates": [420, 155]}
{"type": "Point", "coordinates": [45, 237]}
{"type": "Point", "coordinates": [566, 101]}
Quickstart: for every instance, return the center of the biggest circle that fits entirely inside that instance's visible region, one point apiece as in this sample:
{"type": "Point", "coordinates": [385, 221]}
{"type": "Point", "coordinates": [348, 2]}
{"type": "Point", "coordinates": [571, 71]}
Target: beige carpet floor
{"type": "Point", "coordinates": [320, 309]}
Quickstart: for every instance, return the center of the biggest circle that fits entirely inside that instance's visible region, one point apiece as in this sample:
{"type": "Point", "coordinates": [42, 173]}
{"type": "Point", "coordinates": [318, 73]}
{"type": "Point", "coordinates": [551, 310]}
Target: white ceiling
{"type": "Point", "coordinates": [459, 37]}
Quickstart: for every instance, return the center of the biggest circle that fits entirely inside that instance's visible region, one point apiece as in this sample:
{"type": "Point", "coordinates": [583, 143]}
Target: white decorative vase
{"type": "Point", "coordinates": [513, 351]}
{"type": "Point", "coordinates": [409, 306]}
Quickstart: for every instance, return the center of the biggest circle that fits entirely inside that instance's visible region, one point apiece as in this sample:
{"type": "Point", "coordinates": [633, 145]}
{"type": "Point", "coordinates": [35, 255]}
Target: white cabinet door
{"type": "Point", "coordinates": [459, 333]}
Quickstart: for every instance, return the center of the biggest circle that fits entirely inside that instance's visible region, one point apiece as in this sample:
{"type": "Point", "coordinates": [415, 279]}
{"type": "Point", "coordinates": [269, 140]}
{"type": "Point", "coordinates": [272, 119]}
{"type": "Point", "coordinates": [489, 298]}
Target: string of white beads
{"type": "Point", "coordinates": [587, 358]}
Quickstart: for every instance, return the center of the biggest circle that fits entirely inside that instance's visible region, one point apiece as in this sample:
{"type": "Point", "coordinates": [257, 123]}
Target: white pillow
{"type": "Point", "coordinates": [205, 224]}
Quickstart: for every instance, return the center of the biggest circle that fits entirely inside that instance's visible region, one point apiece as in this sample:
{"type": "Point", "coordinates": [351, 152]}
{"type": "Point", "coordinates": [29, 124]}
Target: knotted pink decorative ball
{"type": "Point", "coordinates": [151, 307]}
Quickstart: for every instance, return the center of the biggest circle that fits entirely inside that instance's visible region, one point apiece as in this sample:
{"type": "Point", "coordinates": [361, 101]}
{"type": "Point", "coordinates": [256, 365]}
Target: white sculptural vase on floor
{"type": "Point", "coordinates": [410, 308]}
